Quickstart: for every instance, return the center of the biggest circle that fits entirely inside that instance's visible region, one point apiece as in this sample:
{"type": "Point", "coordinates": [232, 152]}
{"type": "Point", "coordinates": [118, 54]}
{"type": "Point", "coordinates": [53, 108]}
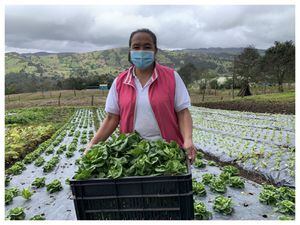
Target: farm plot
{"type": "Point", "coordinates": [45, 172]}
{"type": "Point", "coordinates": [260, 143]}
{"type": "Point", "coordinates": [25, 129]}
{"type": "Point", "coordinates": [221, 194]}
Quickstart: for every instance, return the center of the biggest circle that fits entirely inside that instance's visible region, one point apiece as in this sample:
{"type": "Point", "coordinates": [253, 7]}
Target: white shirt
{"type": "Point", "coordinates": [145, 122]}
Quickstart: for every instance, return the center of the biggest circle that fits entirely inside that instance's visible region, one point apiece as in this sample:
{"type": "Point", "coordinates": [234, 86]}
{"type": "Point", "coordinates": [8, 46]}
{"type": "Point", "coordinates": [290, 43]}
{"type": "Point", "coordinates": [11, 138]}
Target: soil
{"type": "Point", "coordinates": [251, 106]}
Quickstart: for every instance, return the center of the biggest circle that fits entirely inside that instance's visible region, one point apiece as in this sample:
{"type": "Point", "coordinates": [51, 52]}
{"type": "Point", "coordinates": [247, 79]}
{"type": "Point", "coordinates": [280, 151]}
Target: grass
{"type": "Point", "coordinates": [90, 97]}
{"type": "Point", "coordinates": [258, 95]}
{"type": "Point", "coordinates": [275, 97]}
{"type": "Point", "coordinates": [282, 103]}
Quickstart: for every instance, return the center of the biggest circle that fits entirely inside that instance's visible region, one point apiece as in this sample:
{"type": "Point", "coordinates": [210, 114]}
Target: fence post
{"type": "Point", "coordinates": [59, 98]}
{"type": "Point", "coordinates": [92, 100]}
{"type": "Point", "coordinates": [203, 94]}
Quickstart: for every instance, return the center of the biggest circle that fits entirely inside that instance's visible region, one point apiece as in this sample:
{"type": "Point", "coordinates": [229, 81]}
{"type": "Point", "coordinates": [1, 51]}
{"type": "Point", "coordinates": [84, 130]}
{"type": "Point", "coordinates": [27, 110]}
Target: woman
{"type": "Point", "coordinates": [149, 98]}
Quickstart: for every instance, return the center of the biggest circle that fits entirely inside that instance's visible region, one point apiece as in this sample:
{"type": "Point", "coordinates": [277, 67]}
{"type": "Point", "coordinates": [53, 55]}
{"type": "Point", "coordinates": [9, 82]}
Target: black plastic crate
{"type": "Point", "coordinates": [134, 198]}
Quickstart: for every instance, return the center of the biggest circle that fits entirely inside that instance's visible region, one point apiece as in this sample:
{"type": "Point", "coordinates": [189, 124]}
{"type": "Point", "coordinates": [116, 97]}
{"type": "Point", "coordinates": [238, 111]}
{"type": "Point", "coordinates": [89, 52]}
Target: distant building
{"type": "Point", "coordinates": [103, 86]}
{"type": "Point", "coordinates": [222, 80]}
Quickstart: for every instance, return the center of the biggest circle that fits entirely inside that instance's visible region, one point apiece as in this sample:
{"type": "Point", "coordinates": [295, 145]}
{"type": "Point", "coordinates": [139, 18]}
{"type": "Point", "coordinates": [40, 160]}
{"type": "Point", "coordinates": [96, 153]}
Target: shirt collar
{"type": "Point", "coordinates": [129, 77]}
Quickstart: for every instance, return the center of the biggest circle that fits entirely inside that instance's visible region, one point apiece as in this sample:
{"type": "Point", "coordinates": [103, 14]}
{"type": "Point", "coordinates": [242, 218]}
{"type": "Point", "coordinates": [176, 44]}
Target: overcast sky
{"type": "Point", "coordinates": [90, 28]}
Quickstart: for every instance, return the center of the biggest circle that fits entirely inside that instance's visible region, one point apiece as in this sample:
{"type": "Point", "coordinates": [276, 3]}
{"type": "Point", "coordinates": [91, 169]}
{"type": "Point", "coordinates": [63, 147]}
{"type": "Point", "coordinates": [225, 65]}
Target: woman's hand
{"type": "Point", "coordinates": [191, 150]}
{"type": "Point", "coordinates": [107, 127]}
{"type": "Point", "coordinates": [186, 128]}
{"type": "Point", "coordinates": [87, 148]}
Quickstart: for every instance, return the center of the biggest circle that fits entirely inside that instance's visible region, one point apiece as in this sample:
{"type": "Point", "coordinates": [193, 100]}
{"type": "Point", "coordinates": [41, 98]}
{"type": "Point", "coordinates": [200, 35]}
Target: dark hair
{"type": "Point", "coordinates": [143, 30]}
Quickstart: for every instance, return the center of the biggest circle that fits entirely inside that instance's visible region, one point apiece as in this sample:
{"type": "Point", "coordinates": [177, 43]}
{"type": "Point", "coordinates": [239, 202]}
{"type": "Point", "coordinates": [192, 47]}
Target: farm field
{"type": "Point", "coordinates": [272, 102]}
{"type": "Point", "coordinates": [25, 129]}
{"type": "Point", "coordinates": [259, 144]}
{"type": "Point", "coordinates": [277, 103]}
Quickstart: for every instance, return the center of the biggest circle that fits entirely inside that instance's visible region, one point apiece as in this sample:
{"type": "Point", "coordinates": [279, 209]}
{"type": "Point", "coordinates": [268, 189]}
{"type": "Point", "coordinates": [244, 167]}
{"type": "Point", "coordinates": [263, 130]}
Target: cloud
{"type": "Point", "coordinates": [89, 28]}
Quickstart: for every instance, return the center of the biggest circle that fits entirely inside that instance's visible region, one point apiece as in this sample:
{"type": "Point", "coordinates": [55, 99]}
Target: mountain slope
{"type": "Point", "coordinates": [113, 61]}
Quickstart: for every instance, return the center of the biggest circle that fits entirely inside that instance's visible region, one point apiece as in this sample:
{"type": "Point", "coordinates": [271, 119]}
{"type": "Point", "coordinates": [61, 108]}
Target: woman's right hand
{"type": "Point", "coordinates": [87, 148]}
{"type": "Point", "coordinates": [107, 127]}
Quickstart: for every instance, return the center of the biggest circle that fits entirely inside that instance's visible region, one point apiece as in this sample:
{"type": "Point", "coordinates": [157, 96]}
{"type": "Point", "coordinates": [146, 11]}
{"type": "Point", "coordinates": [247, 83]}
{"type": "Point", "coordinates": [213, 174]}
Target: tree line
{"type": "Point", "coordinates": [275, 66]}
{"type": "Point", "coordinates": [23, 82]}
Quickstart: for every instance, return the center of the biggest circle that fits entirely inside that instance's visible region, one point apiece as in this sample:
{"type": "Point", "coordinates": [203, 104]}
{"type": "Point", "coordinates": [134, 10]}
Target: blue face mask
{"type": "Point", "coordinates": [142, 59]}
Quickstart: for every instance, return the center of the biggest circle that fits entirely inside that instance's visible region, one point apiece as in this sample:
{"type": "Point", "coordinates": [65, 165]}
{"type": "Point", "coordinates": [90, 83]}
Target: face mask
{"type": "Point", "coordinates": [142, 59]}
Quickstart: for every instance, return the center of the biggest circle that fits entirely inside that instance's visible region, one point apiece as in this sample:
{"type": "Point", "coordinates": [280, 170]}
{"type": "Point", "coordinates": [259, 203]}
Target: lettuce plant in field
{"type": "Point", "coordinates": [15, 191]}
{"type": "Point", "coordinates": [39, 182]}
{"type": "Point", "coordinates": [225, 176]}
{"type": "Point", "coordinates": [236, 182]}
{"type": "Point", "coordinates": [207, 178]}
{"type": "Point", "coordinates": [218, 185]}
{"type": "Point", "coordinates": [69, 154]}
{"type": "Point", "coordinates": [199, 155]}
{"type": "Point", "coordinates": [212, 163]}
{"type": "Point", "coordinates": [38, 217]}
{"type": "Point", "coordinates": [16, 169]}
{"type": "Point", "coordinates": [54, 186]}
{"type": "Point", "coordinates": [268, 197]}
{"type": "Point", "coordinates": [223, 205]}
{"type": "Point", "coordinates": [9, 196]}
{"type": "Point", "coordinates": [271, 195]}
{"type": "Point", "coordinates": [50, 165]}
{"type": "Point", "coordinates": [231, 170]}
{"type": "Point", "coordinates": [16, 214]}
{"type": "Point", "coordinates": [286, 193]}
{"type": "Point", "coordinates": [199, 163]}
{"type": "Point", "coordinates": [199, 189]}
{"type": "Point", "coordinates": [285, 217]}
{"type": "Point", "coordinates": [200, 211]}
{"type": "Point", "coordinates": [286, 207]}
{"type": "Point", "coordinates": [39, 161]}
{"type": "Point", "coordinates": [26, 193]}
{"type": "Point", "coordinates": [7, 180]}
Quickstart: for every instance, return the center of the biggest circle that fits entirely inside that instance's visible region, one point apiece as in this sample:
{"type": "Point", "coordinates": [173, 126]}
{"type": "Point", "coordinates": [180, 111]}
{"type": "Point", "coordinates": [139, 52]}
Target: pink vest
{"type": "Point", "coordinates": [161, 96]}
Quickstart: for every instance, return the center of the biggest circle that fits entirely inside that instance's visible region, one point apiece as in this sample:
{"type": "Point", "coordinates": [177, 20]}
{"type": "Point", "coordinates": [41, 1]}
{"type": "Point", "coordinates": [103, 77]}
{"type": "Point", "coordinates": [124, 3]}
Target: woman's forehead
{"type": "Point", "coordinates": [141, 37]}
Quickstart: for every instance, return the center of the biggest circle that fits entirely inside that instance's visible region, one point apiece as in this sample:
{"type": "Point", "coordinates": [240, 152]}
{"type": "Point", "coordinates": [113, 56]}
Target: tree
{"type": "Point", "coordinates": [188, 73]}
{"type": "Point", "coordinates": [245, 67]}
{"type": "Point", "coordinates": [214, 84]}
{"type": "Point", "coordinates": [279, 62]}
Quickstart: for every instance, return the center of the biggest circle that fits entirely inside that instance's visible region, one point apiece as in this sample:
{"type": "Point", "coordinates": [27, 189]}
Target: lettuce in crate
{"type": "Point", "coordinates": [130, 155]}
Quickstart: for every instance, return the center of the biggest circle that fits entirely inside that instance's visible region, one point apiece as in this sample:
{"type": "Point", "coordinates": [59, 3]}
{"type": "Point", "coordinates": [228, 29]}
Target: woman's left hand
{"type": "Point", "coordinates": [191, 150]}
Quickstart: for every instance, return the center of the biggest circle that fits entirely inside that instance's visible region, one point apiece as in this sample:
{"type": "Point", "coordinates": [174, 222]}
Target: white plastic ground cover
{"type": "Point", "coordinates": [59, 205]}
{"type": "Point", "coordinates": [263, 120]}
{"type": "Point", "coordinates": [246, 205]}
{"type": "Point", "coordinates": [262, 143]}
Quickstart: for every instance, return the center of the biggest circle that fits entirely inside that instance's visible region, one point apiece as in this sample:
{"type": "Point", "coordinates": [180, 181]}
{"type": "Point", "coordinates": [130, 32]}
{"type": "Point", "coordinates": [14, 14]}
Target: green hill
{"type": "Point", "coordinates": [29, 72]}
{"type": "Point", "coordinates": [113, 61]}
